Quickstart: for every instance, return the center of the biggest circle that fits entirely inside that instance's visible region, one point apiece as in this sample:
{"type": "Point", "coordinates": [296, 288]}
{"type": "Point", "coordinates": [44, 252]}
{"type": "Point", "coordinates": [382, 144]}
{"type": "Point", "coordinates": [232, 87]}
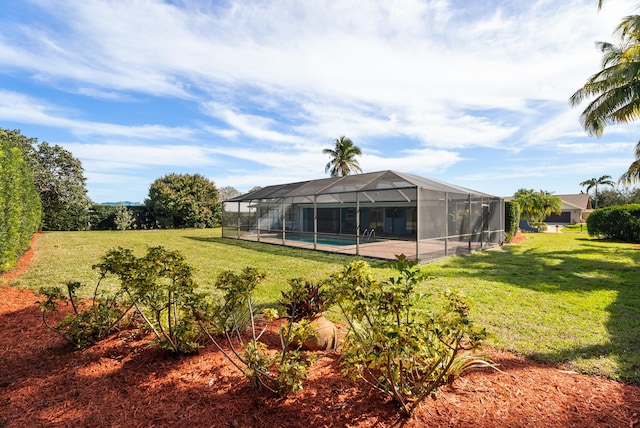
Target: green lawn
{"type": "Point", "coordinates": [69, 256]}
{"type": "Point", "coordinates": [562, 298]}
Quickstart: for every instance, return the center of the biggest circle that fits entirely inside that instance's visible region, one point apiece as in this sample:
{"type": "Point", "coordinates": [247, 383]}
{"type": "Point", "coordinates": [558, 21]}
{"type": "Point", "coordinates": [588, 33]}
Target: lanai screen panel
{"type": "Point", "coordinates": [237, 218]}
{"type": "Point", "coordinates": [432, 225]}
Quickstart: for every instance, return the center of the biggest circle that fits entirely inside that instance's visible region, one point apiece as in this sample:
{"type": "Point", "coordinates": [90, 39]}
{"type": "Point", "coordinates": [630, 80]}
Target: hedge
{"type": "Point", "coordinates": [618, 222]}
{"type": "Point", "coordinates": [102, 217]}
{"type": "Point", "coordinates": [511, 219]}
{"type": "Point", "coordinates": [20, 206]}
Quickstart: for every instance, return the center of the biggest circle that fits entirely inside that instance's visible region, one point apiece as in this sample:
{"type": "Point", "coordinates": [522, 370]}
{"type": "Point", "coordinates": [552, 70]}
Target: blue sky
{"type": "Point", "coordinates": [249, 92]}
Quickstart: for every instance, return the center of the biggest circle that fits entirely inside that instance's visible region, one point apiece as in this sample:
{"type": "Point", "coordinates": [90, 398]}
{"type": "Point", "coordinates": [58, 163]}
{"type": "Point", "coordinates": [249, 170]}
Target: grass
{"type": "Point", "coordinates": [560, 298]}
{"type": "Point", "coordinates": [574, 228]}
{"type": "Point", "coordinates": [69, 256]}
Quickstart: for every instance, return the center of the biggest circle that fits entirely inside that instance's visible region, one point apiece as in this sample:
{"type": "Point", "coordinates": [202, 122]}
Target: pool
{"type": "Point", "coordinates": [332, 241]}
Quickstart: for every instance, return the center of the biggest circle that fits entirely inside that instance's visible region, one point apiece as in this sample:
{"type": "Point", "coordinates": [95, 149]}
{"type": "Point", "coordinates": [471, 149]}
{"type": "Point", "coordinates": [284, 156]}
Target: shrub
{"type": "Point", "coordinates": [304, 299]}
{"type": "Point", "coordinates": [280, 372]}
{"type": "Point", "coordinates": [103, 217]}
{"type": "Point", "coordinates": [618, 222]}
{"type": "Point", "coordinates": [512, 219]}
{"type": "Point", "coordinates": [124, 218]}
{"type": "Point", "coordinates": [161, 288]}
{"type": "Point", "coordinates": [401, 354]}
{"type": "Point", "coordinates": [158, 285]}
{"type": "Point", "coordinates": [84, 326]}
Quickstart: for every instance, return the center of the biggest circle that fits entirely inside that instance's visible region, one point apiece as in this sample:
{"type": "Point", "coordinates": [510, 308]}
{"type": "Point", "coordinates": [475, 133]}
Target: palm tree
{"type": "Point", "coordinates": [591, 183]}
{"type": "Point", "coordinates": [549, 204]}
{"type": "Point", "coordinates": [536, 206]}
{"type": "Point", "coordinates": [343, 160]}
{"type": "Point", "coordinates": [616, 87]}
{"type": "Point", "coordinates": [633, 173]}
{"type": "Point", "coordinates": [526, 201]}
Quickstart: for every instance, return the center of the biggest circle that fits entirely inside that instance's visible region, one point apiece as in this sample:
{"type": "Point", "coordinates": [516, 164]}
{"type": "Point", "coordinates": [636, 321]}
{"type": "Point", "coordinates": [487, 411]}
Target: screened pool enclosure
{"type": "Point", "coordinates": [378, 214]}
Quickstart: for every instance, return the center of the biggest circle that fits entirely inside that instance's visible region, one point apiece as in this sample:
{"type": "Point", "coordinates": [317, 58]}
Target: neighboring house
{"type": "Point", "coordinates": [575, 209]}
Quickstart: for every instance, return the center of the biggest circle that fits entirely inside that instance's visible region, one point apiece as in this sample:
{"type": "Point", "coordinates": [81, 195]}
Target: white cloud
{"type": "Point", "coordinates": [596, 147]}
{"type": "Point", "coordinates": [106, 157]}
{"type": "Point", "coordinates": [252, 126]}
{"type": "Point", "coordinates": [17, 107]}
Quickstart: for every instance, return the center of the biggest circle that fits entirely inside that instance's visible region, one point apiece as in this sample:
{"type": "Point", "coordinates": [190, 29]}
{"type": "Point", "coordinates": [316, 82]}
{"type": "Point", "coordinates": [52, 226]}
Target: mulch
{"type": "Point", "coordinates": [125, 382]}
{"type": "Point", "coordinates": [518, 238]}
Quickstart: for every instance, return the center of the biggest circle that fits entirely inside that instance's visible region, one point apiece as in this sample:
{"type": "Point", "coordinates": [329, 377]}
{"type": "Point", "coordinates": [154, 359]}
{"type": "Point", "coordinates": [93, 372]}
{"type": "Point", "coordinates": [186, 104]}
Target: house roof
{"type": "Point", "coordinates": [576, 201]}
{"type": "Point", "coordinates": [373, 181]}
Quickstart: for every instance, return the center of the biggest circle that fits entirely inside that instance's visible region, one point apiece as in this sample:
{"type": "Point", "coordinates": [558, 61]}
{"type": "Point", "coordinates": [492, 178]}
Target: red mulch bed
{"type": "Point", "coordinates": [518, 238]}
{"type": "Point", "coordinates": [123, 382]}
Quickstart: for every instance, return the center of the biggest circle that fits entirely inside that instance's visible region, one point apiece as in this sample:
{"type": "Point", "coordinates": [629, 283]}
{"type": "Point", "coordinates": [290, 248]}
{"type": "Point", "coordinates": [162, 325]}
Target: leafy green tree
{"type": "Point", "coordinates": [20, 207]}
{"type": "Point", "coordinates": [611, 197]}
{"type": "Point", "coordinates": [614, 197]}
{"type": "Point", "coordinates": [615, 89]}
{"type": "Point", "coordinates": [59, 180]}
{"type": "Point", "coordinates": [184, 200]}
{"type": "Point", "coordinates": [62, 186]}
{"type": "Point", "coordinates": [593, 183]}
{"type": "Point", "coordinates": [343, 158]}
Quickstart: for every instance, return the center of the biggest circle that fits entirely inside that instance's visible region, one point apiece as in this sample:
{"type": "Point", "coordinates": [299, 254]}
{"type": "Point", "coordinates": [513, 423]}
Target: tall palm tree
{"type": "Point", "coordinates": [616, 88]}
{"type": "Point", "coordinates": [343, 158]}
{"type": "Point", "coordinates": [591, 183]}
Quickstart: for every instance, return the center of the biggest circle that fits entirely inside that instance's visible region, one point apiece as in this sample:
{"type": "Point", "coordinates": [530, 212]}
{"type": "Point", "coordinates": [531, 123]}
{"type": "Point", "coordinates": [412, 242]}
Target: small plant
{"type": "Point", "coordinates": [390, 346]}
{"type": "Point", "coordinates": [123, 218]}
{"type": "Point", "coordinates": [85, 325]}
{"type": "Point", "coordinates": [161, 288]}
{"type": "Point", "coordinates": [304, 299]}
{"type": "Point", "coordinates": [280, 372]}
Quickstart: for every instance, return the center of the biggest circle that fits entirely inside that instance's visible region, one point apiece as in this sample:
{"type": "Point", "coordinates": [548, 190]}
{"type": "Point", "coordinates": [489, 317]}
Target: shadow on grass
{"type": "Point", "coordinates": [589, 268]}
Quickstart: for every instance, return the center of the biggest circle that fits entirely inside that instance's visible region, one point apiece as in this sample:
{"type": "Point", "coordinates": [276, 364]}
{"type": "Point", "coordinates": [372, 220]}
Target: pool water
{"type": "Point", "coordinates": [333, 241]}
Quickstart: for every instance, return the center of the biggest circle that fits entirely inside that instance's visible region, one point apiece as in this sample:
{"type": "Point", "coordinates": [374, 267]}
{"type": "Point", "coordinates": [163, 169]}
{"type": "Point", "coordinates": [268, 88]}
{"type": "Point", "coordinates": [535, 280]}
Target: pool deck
{"type": "Point", "coordinates": [430, 250]}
